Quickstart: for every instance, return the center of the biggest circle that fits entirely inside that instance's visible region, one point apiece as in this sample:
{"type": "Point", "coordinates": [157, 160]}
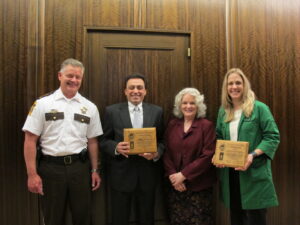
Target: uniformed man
{"type": "Point", "coordinates": [65, 125]}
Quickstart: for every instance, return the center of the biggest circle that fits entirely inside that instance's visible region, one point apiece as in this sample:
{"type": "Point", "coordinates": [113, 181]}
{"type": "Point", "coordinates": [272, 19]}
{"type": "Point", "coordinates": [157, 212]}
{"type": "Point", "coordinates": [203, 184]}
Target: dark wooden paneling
{"type": "Point", "coordinates": [167, 14]}
{"type": "Point", "coordinates": [266, 44]}
{"type": "Point", "coordinates": [114, 13]}
{"type": "Point", "coordinates": [207, 22]}
{"type": "Point", "coordinates": [17, 206]}
{"type": "Point", "coordinates": [63, 37]}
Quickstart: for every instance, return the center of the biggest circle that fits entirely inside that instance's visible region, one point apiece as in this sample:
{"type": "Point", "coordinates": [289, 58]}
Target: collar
{"type": "Point", "coordinates": [195, 123]}
{"type": "Point", "coordinates": [58, 94]}
{"type": "Point", "coordinates": [132, 106]}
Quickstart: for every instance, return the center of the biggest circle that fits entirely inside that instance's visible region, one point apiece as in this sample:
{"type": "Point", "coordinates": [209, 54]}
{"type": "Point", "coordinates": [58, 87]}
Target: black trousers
{"type": "Point", "coordinates": [239, 216]}
{"type": "Point", "coordinates": [66, 185]}
{"type": "Point", "coordinates": [121, 205]}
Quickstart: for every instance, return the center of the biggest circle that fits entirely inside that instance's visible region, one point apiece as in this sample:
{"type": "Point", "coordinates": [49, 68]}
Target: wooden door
{"type": "Point", "coordinates": [112, 55]}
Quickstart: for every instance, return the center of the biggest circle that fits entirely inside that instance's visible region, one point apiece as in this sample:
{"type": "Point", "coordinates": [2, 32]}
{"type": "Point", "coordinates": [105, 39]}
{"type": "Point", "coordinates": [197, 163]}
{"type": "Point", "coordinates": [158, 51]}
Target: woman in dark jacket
{"type": "Point", "coordinates": [190, 145]}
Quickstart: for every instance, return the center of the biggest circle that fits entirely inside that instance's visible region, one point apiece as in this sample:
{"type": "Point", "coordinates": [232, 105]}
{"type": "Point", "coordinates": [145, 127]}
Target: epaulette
{"type": "Point", "coordinates": [47, 94]}
{"type": "Point", "coordinates": [34, 104]}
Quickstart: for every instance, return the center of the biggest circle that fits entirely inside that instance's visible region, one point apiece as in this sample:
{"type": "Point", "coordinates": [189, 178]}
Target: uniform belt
{"type": "Point", "coordinates": [62, 160]}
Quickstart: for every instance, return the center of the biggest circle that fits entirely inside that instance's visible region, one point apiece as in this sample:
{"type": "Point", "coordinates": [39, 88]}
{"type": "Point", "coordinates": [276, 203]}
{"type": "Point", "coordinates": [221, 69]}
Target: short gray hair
{"type": "Point", "coordinates": [72, 62]}
{"type": "Point", "coordinates": [199, 100]}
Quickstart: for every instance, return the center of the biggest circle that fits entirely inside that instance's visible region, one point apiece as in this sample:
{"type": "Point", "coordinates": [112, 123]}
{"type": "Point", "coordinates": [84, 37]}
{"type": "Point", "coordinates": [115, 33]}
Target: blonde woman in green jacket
{"type": "Point", "coordinates": [247, 190]}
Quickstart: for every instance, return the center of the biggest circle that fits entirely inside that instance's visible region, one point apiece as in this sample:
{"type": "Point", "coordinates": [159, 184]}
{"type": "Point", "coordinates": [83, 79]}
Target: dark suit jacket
{"type": "Point", "coordinates": [190, 153]}
{"type": "Point", "coordinates": [126, 173]}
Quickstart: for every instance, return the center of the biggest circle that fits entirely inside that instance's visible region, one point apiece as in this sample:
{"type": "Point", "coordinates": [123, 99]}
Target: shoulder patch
{"type": "Point", "coordinates": [32, 108]}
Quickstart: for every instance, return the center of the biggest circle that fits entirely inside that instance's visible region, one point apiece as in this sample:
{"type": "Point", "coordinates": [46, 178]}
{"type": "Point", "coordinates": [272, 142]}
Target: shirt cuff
{"type": "Point", "coordinates": [156, 158]}
{"type": "Point", "coordinates": [116, 153]}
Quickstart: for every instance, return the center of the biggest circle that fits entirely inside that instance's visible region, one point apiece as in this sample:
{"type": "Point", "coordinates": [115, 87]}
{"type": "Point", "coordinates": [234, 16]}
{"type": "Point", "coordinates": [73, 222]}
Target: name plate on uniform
{"type": "Point", "coordinates": [231, 153]}
{"type": "Point", "coordinates": [141, 140]}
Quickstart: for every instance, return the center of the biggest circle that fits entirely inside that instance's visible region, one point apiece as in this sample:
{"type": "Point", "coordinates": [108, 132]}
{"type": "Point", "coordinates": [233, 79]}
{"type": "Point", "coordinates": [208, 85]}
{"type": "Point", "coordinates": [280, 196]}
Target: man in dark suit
{"type": "Point", "coordinates": [132, 176]}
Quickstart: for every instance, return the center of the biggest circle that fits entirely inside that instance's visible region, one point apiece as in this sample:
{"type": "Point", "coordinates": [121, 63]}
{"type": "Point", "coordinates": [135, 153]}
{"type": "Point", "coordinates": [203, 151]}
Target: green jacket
{"type": "Point", "coordinates": [256, 184]}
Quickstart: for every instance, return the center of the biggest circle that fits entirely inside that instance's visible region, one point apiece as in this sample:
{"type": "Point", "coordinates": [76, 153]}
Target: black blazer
{"type": "Point", "coordinates": [126, 173]}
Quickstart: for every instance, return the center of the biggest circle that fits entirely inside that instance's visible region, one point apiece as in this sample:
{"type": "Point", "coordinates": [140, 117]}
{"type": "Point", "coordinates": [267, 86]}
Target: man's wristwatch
{"type": "Point", "coordinates": [254, 154]}
{"type": "Point", "coordinates": [94, 170]}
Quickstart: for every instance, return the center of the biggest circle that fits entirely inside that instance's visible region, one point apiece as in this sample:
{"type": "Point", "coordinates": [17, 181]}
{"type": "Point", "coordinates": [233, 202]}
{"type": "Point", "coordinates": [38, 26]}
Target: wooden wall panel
{"type": "Point", "coordinates": [208, 23]}
{"type": "Point", "coordinates": [252, 42]}
{"type": "Point", "coordinates": [167, 14]}
{"type": "Point", "coordinates": [286, 105]}
{"type": "Point", "coordinates": [17, 206]}
{"type": "Point", "coordinates": [114, 13]}
{"type": "Point", "coordinates": [266, 47]}
{"type": "Point", "coordinates": [63, 35]}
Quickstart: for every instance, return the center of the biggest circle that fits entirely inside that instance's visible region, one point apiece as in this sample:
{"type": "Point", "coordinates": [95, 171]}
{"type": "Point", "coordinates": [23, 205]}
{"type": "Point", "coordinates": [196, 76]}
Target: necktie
{"type": "Point", "coordinates": [137, 118]}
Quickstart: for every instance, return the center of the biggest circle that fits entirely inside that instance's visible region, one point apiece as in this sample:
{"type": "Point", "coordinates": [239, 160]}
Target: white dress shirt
{"type": "Point", "coordinates": [234, 125]}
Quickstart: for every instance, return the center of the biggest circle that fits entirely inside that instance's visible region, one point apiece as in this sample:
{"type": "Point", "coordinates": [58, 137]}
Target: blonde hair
{"type": "Point", "coordinates": [199, 100]}
{"type": "Point", "coordinates": [248, 97]}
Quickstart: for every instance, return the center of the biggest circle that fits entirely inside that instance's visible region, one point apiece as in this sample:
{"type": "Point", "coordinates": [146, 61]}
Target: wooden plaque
{"type": "Point", "coordinates": [231, 153]}
{"type": "Point", "coordinates": [141, 140]}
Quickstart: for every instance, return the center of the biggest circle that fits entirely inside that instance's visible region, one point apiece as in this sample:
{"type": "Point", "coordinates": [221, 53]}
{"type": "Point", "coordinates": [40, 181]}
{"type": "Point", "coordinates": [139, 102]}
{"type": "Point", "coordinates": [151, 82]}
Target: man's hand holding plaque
{"type": "Point", "coordinates": [230, 153]}
{"type": "Point", "coordinates": [142, 141]}
{"type": "Point", "coordinates": [123, 148]}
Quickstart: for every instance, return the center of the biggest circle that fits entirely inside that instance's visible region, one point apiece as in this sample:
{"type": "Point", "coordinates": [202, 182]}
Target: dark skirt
{"type": "Point", "coordinates": [190, 208]}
